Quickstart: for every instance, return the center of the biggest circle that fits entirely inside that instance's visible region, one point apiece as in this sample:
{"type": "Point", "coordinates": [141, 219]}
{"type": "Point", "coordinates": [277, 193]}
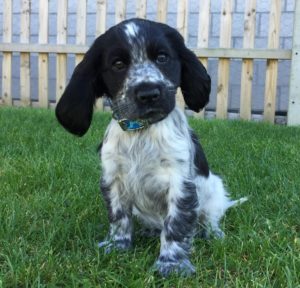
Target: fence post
{"type": "Point", "coordinates": [203, 36]}
{"type": "Point", "coordinates": [294, 95]}
{"type": "Point", "coordinates": [7, 56]}
{"type": "Point", "coordinates": [224, 64]}
{"type": "Point", "coordinates": [25, 57]}
{"type": "Point", "coordinates": [43, 65]}
{"type": "Point", "coordinates": [61, 59]}
{"type": "Point", "coordinates": [247, 65]}
{"type": "Point", "coordinates": [141, 8]}
{"type": "Point", "coordinates": [182, 27]}
{"type": "Point", "coordinates": [272, 65]}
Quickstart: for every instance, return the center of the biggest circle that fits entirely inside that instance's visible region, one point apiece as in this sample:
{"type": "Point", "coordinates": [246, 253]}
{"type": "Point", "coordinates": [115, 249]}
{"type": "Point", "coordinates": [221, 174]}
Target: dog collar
{"type": "Point", "coordinates": [131, 125]}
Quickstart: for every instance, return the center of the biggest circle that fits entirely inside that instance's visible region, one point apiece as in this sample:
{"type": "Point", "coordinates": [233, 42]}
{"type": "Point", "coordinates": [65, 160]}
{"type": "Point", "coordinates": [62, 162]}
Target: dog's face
{"type": "Point", "coordinates": [139, 65]}
{"type": "Point", "coordinates": [140, 70]}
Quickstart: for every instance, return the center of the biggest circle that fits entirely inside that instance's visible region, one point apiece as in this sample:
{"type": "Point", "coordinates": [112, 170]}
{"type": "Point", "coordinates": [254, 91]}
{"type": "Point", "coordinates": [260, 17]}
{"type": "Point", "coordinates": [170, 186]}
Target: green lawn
{"type": "Point", "coordinates": [52, 214]}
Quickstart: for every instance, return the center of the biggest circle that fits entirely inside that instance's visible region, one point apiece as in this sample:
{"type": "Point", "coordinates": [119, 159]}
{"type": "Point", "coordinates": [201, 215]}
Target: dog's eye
{"type": "Point", "coordinates": [162, 58]}
{"type": "Point", "coordinates": [118, 65]}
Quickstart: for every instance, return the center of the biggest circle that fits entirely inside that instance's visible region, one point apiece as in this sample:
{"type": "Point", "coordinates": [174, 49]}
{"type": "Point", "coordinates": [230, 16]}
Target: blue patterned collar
{"type": "Point", "coordinates": [131, 125]}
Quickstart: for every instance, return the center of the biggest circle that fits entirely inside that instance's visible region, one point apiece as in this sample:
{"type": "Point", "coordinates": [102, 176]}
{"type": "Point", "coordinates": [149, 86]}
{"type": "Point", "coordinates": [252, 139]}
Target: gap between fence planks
{"type": "Point", "coordinates": [272, 65]}
{"type": "Point", "coordinates": [43, 60]}
{"type": "Point", "coordinates": [224, 64]}
{"type": "Point", "coordinates": [247, 64]}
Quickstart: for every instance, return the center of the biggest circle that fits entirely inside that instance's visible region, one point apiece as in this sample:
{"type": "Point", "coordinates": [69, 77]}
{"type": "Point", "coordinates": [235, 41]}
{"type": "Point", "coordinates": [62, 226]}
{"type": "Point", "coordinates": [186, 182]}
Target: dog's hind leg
{"type": "Point", "coordinates": [178, 231]}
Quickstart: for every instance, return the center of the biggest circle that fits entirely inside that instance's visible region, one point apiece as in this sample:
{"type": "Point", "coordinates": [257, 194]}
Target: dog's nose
{"type": "Point", "coordinates": [148, 95]}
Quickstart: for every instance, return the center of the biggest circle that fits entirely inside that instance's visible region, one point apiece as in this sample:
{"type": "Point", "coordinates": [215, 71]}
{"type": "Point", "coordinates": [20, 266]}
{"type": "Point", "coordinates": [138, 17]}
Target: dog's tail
{"type": "Point", "coordinates": [234, 203]}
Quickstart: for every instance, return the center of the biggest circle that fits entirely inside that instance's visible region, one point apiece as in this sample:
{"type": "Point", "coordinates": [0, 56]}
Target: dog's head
{"type": "Point", "coordinates": [138, 64]}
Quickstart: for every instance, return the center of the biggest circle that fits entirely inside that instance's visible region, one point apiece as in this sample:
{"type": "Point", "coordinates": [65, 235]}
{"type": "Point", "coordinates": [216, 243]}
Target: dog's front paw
{"type": "Point", "coordinates": [181, 267]}
{"type": "Point", "coordinates": [110, 245]}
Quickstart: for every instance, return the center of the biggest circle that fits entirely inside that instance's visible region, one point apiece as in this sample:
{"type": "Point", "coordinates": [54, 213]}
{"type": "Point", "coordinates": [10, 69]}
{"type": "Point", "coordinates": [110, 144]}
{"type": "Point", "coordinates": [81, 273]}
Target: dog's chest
{"type": "Point", "coordinates": [144, 166]}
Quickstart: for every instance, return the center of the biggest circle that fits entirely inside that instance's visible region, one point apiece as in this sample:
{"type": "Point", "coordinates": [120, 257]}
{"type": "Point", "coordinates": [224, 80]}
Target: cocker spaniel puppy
{"type": "Point", "coordinates": [153, 166]}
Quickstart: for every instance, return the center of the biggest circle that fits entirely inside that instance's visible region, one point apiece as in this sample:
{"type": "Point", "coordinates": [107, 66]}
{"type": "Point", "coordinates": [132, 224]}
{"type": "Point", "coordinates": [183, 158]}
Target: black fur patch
{"type": "Point", "coordinates": [182, 225]}
{"type": "Point", "coordinates": [113, 217]}
{"type": "Point", "coordinates": [200, 161]}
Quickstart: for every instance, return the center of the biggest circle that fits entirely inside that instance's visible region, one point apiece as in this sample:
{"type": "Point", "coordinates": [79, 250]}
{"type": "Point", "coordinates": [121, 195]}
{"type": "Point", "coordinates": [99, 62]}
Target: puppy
{"type": "Point", "coordinates": [152, 163]}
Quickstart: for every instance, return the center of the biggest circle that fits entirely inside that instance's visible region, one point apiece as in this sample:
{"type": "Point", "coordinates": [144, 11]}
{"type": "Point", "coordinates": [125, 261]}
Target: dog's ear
{"type": "Point", "coordinates": [195, 82]}
{"type": "Point", "coordinates": [75, 108]}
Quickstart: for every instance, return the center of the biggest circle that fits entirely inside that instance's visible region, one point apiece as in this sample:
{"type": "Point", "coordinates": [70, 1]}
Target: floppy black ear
{"type": "Point", "coordinates": [195, 82]}
{"type": "Point", "coordinates": [75, 108]}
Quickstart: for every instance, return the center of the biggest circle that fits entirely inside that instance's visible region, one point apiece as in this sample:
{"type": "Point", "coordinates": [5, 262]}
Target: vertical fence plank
{"type": "Point", "coordinates": [43, 62]}
{"type": "Point", "coordinates": [203, 36]}
{"type": "Point", "coordinates": [272, 65]}
{"type": "Point", "coordinates": [224, 64]}
{"type": "Point", "coordinates": [162, 10]}
{"type": "Point", "coordinates": [7, 56]}
{"type": "Point", "coordinates": [120, 10]}
{"type": "Point", "coordinates": [182, 27]}
{"type": "Point", "coordinates": [80, 27]}
{"type": "Point", "coordinates": [247, 65]}
{"type": "Point", "coordinates": [294, 95]}
{"type": "Point", "coordinates": [101, 17]}
{"type": "Point", "coordinates": [25, 57]}
{"type": "Point", "coordinates": [141, 9]}
{"type": "Point", "coordinates": [61, 59]}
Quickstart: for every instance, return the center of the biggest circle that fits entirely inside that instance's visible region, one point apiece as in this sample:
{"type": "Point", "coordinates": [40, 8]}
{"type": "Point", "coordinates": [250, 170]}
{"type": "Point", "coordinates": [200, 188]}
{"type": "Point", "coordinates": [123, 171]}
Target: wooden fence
{"type": "Point", "coordinates": [272, 54]}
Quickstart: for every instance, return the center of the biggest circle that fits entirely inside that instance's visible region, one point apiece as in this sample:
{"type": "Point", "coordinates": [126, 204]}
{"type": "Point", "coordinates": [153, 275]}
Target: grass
{"type": "Point", "coordinates": [52, 214]}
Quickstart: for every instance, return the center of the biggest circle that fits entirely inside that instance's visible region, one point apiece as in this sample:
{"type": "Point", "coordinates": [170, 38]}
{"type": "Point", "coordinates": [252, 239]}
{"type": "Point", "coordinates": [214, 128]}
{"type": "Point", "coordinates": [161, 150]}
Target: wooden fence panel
{"type": "Point", "coordinates": [61, 59]}
{"type": "Point", "coordinates": [247, 65]}
{"type": "Point", "coordinates": [43, 60]}
{"type": "Point", "coordinates": [25, 57]}
{"type": "Point", "coordinates": [224, 53]}
{"type": "Point", "coordinates": [224, 64]}
{"type": "Point", "coordinates": [272, 65]}
{"type": "Point", "coordinates": [203, 36]}
{"type": "Point", "coordinates": [7, 56]}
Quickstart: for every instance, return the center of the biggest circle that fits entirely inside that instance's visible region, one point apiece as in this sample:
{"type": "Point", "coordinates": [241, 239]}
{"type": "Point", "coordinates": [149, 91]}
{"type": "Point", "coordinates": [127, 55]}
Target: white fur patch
{"type": "Point", "coordinates": [131, 30]}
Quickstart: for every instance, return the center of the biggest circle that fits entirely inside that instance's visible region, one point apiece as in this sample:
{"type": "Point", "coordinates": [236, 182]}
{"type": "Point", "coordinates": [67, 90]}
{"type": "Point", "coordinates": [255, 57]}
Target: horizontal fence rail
{"type": "Point", "coordinates": [224, 52]}
{"type": "Point", "coordinates": [276, 54]}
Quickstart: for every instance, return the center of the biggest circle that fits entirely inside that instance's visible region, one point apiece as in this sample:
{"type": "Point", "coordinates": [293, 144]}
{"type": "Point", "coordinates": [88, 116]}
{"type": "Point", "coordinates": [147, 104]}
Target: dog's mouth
{"type": "Point", "coordinates": [131, 119]}
{"type": "Point", "coordinates": [153, 115]}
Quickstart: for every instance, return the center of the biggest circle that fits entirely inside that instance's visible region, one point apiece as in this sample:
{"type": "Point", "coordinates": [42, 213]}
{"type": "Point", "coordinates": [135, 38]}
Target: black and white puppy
{"type": "Point", "coordinates": [153, 165]}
